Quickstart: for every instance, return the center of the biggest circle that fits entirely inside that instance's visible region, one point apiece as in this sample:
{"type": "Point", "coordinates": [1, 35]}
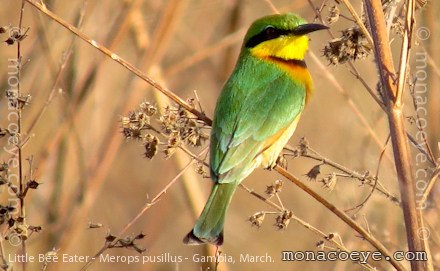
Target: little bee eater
{"type": "Point", "coordinates": [256, 112]}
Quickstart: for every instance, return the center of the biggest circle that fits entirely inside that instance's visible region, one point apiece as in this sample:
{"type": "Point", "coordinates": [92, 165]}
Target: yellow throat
{"type": "Point", "coordinates": [285, 47]}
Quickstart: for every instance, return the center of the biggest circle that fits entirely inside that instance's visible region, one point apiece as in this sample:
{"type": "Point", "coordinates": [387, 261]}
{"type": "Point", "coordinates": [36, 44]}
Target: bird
{"type": "Point", "coordinates": [256, 113]}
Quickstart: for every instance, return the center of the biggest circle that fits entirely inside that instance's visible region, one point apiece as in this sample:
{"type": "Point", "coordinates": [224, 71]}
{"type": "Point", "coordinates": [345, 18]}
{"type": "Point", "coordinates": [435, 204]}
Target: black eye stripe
{"type": "Point", "coordinates": [268, 33]}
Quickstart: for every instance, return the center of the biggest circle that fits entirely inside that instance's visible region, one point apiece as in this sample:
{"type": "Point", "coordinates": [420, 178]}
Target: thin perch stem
{"type": "Point", "coordinates": [365, 234]}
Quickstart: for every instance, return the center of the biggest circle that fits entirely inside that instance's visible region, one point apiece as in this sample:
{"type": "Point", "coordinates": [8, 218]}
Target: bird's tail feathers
{"type": "Point", "coordinates": [209, 226]}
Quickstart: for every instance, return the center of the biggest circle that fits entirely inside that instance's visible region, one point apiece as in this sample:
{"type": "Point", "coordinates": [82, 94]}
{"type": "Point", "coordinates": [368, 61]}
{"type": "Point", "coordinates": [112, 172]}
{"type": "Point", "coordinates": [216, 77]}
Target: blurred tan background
{"type": "Point", "coordinates": [90, 173]}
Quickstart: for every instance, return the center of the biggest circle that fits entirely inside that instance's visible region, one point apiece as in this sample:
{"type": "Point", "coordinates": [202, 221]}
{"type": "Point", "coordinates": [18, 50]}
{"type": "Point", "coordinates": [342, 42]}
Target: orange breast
{"type": "Point", "coordinates": [298, 71]}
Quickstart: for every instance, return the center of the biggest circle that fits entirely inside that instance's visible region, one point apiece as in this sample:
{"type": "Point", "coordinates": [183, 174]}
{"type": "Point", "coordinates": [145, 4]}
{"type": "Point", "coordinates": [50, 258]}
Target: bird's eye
{"type": "Point", "coordinates": [270, 30]}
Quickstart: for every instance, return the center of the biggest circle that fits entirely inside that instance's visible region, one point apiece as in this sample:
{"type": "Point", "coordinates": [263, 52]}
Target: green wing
{"type": "Point", "coordinates": [249, 112]}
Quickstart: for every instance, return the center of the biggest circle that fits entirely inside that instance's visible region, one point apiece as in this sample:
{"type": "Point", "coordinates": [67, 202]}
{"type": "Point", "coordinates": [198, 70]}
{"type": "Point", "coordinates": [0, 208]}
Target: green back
{"type": "Point", "coordinates": [257, 101]}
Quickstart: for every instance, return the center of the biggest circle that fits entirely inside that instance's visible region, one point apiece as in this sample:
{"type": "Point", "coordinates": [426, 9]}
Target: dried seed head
{"type": "Point", "coordinates": [33, 184]}
{"type": "Point", "coordinates": [333, 15]}
{"type": "Point", "coordinates": [320, 244]}
{"type": "Point", "coordinates": [330, 236]}
{"type": "Point", "coordinates": [110, 238]}
{"type": "Point", "coordinates": [140, 236]}
{"type": "Point", "coordinates": [3, 29]}
{"type": "Point", "coordinates": [3, 132]}
{"type": "Point", "coordinates": [329, 181]}
{"type": "Point", "coordinates": [303, 145]}
{"type": "Point", "coordinates": [4, 166]}
{"type": "Point", "coordinates": [10, 41]}
{"type": "Point", "coordinates": [168, 119]}
{"type": "Point", "coordinates": [257, 219]}
{"type": "Point", "coordinates": [23, 101]}
{"type": "Point", "coordinates": [35, 228]}
{"type": "Point", "coordinates": [176, 125]}
{"type": "Point", "coordinates": [148, 109]}
{"type": "Point", "coordinates": [200, 169]}
{"type": "Point", "coordinates": [313, 173]}
{"type": "Point", "coordinates": [21, 229]}
{"type": "Point", "coordinates": [283, 220]}
{"type": "Point", "coordinates": [151, 145]}
{"type": "Point", "coordinates": [275, 188]}
{"type": "Point", "coordinates": [398, 25]}
{"type": "Point", "coordinates": [174, 141]}
{"type": "Point", "coordinates": [352, 45]}
{"type": "Point", "coordinates": [4, 214]}
{"type": "Point", "coordinates": [169, 152]}
{"type": "Point", "coordinates": [16, 35]}
{"type": "Point", "coordinates": [191, 102]}
{"type": "Point", "coordinates": [125, 122]}
{"type": "Point", "coordinates": [281, 161]}
{"type": "Point", "coordinates": [132, 133]}
{"type": "Point", "coordinates": [136, 122]}
{"type": "Point", "coordinates": [178, 120]}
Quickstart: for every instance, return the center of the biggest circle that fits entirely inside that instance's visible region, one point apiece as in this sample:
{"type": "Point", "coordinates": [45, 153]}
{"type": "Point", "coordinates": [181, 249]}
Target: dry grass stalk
{"type": "Point", "coordinates": [393, 102]}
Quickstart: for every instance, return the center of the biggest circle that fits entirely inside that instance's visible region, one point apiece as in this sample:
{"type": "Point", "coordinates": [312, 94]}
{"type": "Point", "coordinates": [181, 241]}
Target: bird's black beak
{"type": "Point", "coordinates": [308, 28]}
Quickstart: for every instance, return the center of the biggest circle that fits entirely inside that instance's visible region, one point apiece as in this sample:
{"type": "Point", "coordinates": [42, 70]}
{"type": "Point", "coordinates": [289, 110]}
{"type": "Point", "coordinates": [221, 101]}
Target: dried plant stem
{"type": "Point", "coordinates": [427, 149]}
{"type": "Point", "coordinates": [428, 189]}
{"type": "Point", "coordinates": [260, 197]}
{"type": "Point", "coordinates": [413, 219]}
{"type": "Point", "coordinates": [433, 56]}
{"type": "Point", "coordinates": [22, 211]}
{"type": "Point", "coordinates": [98, 169]}
{"type": "Point", "coordinates": [365, 234]}
{"type": "Point", "coordinates": [160, 41]}
{"type": "Point", "coordinates": [272, 6]}
{"type": "Point", "coordinates": [308, 226]}
{"type": "Point", "coordinates": [205, 52]}
{"type": "Point", "coordinates": [204, 118]}
{"type": "Point", "coordinates": [120, 60]}
{"type": "Point", "coordinates": [350, 102]}
{"type": "Point", "coordinates": [358, 76]}
{"type": "Point", "coordinates": [82, 90]}
{"type": "Point", "coordinates": [317, 10]}
{"type": "Point", "coordinates": [66, 60]}
{"type": "Point", "coordinates": [313, 154]}
{"type": "Point", "coordinates": [358, 21]}
{"type": "Point", "coordinates": [163, 33]}
{"type": "Point", "coordinates": [2, 256]}
{"type": "Point", "coordinates": [376, 181]}
{"type": "Point", "coordinates": [351, 65]}
{"type": "Point", "coordinates": [139, 215]}
{"type": "Point", "coordinates": [404, 53]}
{"type": "Point", "coordinates": [331, 238]}
{"type": "Point", "coordinates": [339, 245]}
